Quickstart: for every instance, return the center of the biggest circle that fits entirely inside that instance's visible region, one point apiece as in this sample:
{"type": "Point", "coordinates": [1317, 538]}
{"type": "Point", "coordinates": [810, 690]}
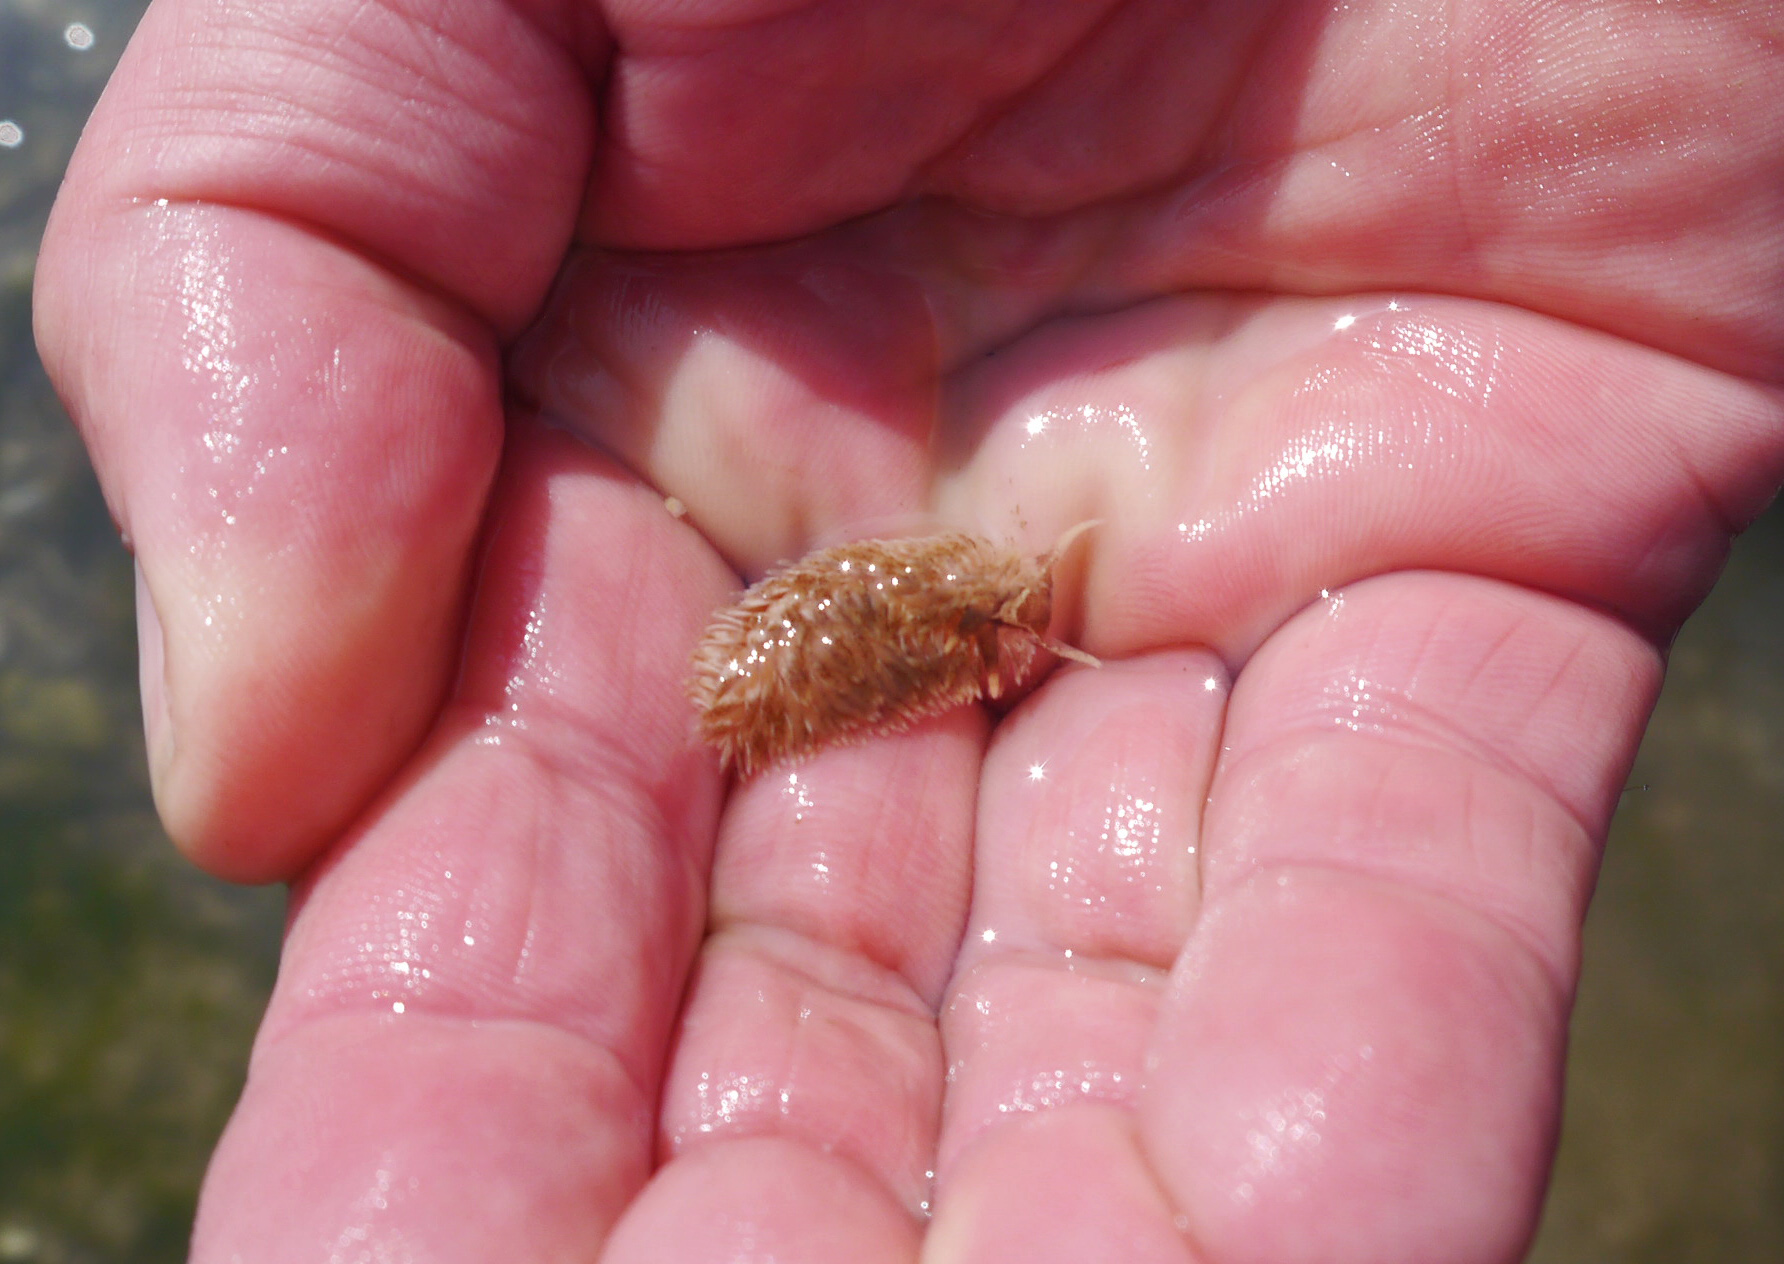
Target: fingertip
{"type": "Point", "coordinates": [1345, 1070]}
{"type": "Point", "coordinates": [301, 461]}
{"type": "Point", "coordinates": [269, 735]}
{"type": "Point", "coordinates": [179, 801]}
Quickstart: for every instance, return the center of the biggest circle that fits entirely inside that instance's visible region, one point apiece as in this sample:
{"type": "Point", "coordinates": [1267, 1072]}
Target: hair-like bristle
{"type": "Point", "coordinates": [868, 638]}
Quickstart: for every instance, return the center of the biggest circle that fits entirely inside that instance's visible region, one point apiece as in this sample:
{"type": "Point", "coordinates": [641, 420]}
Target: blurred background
{"type": "Point", "coordinates": [130, 985]}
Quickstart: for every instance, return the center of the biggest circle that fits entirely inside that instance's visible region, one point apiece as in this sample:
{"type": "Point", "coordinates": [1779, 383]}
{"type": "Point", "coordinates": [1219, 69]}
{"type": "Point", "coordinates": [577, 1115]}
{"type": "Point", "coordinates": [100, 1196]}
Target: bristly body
{"type": "Point", "coordinates": [869, 637]}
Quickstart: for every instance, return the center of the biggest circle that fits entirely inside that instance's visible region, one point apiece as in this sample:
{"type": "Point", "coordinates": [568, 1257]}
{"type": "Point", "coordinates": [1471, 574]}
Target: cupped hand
{"type": "Point", "coordinates": [1418, 362]}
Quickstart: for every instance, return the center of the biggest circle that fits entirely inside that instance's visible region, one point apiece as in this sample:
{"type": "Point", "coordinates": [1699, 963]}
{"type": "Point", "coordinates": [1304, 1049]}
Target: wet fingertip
{"type": "Point", "coordinates": [233, 804]}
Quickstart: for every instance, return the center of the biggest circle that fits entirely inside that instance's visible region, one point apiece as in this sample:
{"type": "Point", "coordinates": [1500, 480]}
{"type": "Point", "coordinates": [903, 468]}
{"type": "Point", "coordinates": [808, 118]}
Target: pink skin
{"type": "Point", "coordinates": [1419, 363]}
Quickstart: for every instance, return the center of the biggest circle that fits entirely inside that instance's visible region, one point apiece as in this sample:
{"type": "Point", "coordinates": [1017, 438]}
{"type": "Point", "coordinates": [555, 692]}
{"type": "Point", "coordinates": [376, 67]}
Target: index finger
{"type": "Point", "coordinates": [271, 295]}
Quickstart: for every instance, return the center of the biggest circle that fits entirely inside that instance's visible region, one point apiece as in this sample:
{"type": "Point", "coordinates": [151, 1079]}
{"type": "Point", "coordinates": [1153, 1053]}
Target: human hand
{"type": "Point", "coordinates": [1420, 368]}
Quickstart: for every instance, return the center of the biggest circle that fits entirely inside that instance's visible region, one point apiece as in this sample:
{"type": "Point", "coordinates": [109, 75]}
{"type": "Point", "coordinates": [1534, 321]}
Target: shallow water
{"type": "Point", "coordinates": [130, 985]}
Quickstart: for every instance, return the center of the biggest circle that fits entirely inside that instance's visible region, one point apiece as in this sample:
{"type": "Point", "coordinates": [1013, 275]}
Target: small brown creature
{"type": "Point", "coordinates": [870, 637]}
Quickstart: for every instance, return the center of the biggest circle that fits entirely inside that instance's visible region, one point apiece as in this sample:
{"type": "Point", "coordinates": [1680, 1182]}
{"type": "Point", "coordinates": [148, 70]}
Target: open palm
{"type": "Point", "coordinates": [1418, 360]}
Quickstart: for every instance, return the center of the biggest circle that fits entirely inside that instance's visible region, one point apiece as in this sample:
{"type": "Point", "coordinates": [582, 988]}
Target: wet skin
{"type": "Point", "coordinates": [1420, 366]}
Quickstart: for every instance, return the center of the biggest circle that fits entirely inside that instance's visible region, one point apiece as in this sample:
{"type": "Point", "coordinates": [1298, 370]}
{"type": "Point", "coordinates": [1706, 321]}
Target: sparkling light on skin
{"type": "Point", "coordinates": [1059, 1087]}
{"type": "Point", "coordinates": [1117, 852]}
{"type": "Point", "coordinates": [988, 935]}
{"type": "Point", "coordinates": [1285, 1132]}
{"type": "Point", "coordinates": [1091, 417]}
{"type": "Point", "coordinates": [1343, 322]}
{"type": "Point", "coordinates": [1037, 772]}
{"type": "Point", "coordinates": [207, 306]}
{"type": "Point", "coordinates": [1457, 365]}
{"type": "Point", "coordinates": [800, 794]}
{"type": "Point", "coordinates": [1305, 458]}
{"type": "Point", "coordinates": [1211, 684]}
{"type": "Point", "coordinates": [533, 672]}
{"type": "Point", "coordinates": [1131, 828]}
{"type": "Point", "coordinates": [1357, 704]}
{"type": "Point", "coordinates": [731, 1098]}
